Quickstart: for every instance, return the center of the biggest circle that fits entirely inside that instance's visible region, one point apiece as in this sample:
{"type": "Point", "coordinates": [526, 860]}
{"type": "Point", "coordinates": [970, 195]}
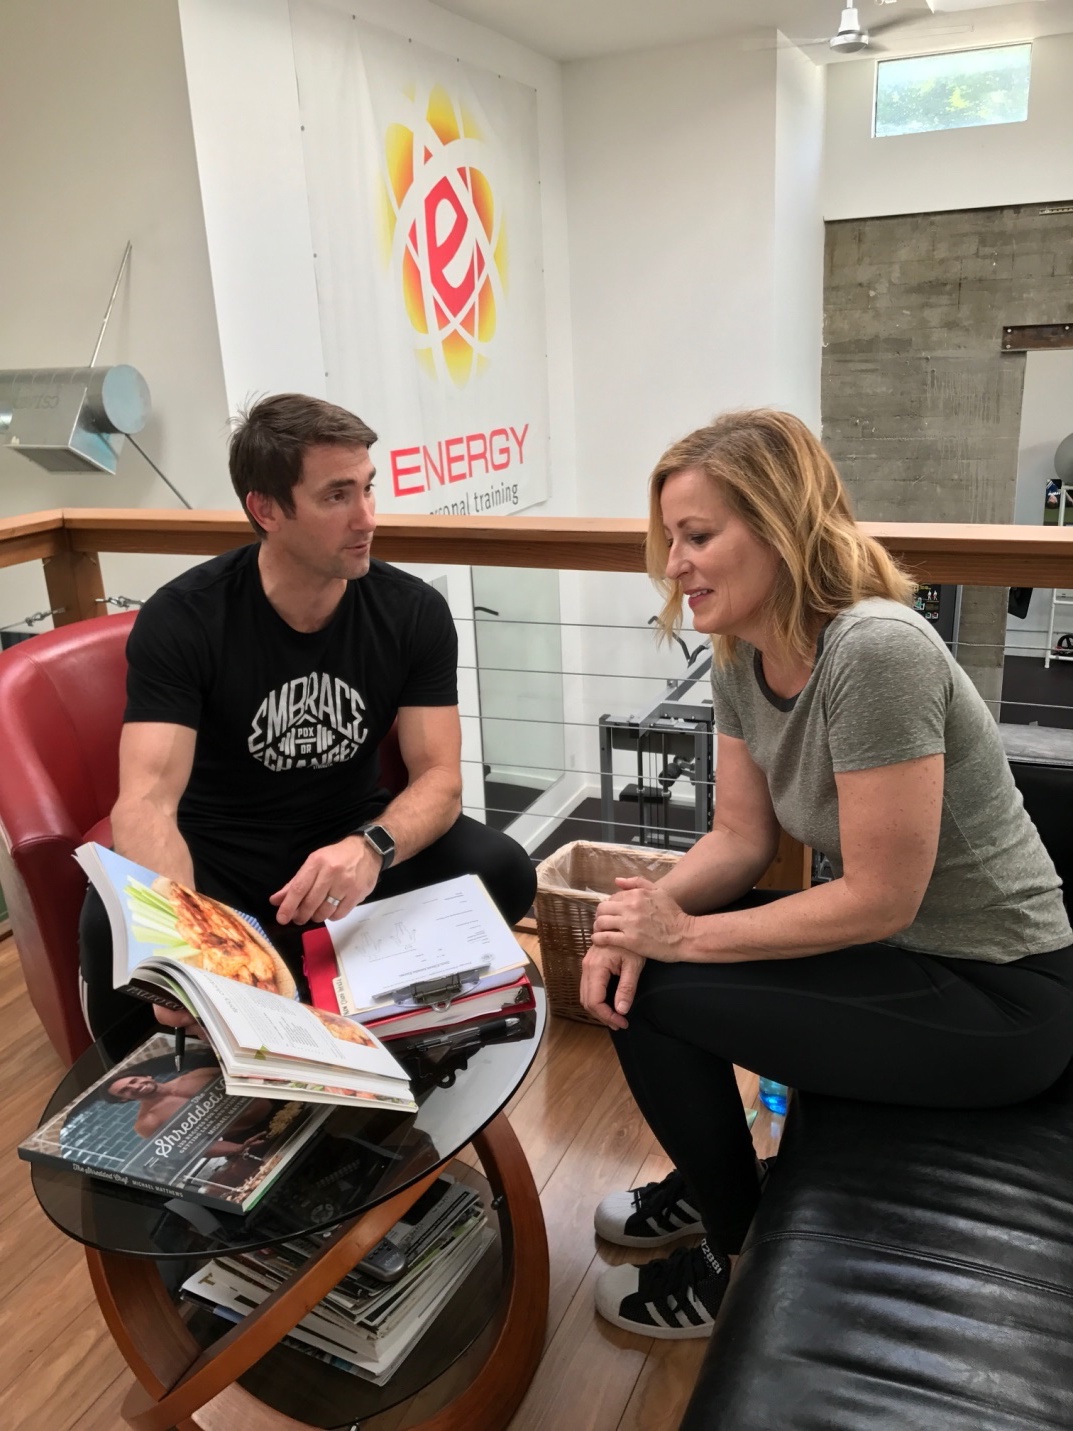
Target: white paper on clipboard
{"type": "Point", "coordinates": [386, 947]}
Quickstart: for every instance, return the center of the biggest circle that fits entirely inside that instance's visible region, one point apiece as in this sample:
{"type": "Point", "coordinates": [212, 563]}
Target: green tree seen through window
{"type": "Point", "coordinates": [952, 91]}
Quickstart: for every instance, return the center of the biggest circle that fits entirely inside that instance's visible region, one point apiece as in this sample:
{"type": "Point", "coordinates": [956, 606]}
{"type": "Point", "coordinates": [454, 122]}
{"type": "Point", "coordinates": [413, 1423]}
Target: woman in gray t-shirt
{"type": "Point", "coordinates": [935, 968]}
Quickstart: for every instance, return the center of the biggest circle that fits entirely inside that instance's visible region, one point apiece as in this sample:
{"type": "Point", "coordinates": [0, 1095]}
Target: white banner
{"type": "Point", "coordinates": [424, 202]}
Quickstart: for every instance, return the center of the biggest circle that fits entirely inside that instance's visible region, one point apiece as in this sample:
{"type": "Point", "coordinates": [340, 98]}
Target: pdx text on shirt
{"type": "Point", "coordinates": [315, 720]}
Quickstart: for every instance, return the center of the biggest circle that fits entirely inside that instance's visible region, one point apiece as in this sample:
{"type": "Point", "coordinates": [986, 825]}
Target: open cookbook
{"type": "Point", "coordinates": [180, 948]}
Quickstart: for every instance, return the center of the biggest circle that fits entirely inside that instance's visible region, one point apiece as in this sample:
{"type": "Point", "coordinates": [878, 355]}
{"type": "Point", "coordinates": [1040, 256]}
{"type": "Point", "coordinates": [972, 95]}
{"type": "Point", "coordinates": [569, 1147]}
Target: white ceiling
{"type": "Point", "coordinates": [583, 29]}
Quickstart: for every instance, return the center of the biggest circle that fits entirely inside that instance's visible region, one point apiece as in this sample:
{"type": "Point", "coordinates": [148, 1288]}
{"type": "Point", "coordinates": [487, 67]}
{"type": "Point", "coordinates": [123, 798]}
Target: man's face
{"type": "Point", "coordinates": [330, 534]}
{"type": "Point", "coordinates": [135, 1085]}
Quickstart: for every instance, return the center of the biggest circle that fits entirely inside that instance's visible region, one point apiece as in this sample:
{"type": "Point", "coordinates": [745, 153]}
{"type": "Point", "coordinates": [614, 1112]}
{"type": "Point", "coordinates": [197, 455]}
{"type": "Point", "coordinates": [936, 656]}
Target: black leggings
{"type": "Point", "coordinates": [873, 1022]}
{"type": "Point", "coordinates": [468, 847]}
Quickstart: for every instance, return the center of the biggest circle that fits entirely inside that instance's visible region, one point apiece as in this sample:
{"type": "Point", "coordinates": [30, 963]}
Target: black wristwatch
{"type": "Point", "coordinates": [381, 842]}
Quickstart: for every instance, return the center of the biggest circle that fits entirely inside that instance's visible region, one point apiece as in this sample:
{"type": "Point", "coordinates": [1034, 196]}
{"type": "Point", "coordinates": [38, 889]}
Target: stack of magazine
{"type": "Point", "coordinates": [363, 1326]}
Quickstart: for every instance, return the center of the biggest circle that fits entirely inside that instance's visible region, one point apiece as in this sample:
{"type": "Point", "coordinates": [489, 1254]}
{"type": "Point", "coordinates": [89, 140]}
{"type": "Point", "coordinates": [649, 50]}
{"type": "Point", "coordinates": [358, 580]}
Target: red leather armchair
{"type": "Point", "coordinates": [61, 709]}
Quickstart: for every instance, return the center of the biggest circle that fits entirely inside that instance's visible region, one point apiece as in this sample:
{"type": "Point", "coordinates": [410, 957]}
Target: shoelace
{"type": "Point", "coordinates": [655, 1198]}
{"type": "Point", "coordinates": [677, 1275]}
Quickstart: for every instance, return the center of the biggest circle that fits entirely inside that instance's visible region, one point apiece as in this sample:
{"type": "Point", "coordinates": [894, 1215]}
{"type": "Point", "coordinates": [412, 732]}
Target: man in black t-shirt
{"type": "Point", "coordinates": [260, 685]}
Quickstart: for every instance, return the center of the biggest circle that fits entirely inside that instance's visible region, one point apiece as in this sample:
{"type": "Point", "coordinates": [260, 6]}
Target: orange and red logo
{"type": "Point", "coordinates": [444, 235]}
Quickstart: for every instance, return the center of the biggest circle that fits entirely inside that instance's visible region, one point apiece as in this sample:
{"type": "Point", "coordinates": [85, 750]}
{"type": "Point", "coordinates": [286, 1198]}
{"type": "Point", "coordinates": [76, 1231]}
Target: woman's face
{"type": "Point", "coordinates": [725, 573]}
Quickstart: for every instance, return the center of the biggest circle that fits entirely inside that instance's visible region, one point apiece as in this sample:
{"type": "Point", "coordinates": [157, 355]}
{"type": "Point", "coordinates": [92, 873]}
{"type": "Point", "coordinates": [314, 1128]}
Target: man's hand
{"type": "Point", "coordinates": [177, 1019]}
{"type": "Point", "coordinates": [641, 919]}
{"type": "Point", "coordinates": [596, 970]}
{"type": "Point", "coordinates": [330, 883]}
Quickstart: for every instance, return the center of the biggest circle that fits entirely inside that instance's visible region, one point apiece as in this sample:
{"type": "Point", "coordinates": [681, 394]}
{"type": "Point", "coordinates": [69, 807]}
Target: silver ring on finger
{"type": "Point", "coordinates": [331, 899]}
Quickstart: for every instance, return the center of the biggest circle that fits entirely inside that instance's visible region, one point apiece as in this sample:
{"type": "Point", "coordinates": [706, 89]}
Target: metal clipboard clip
{"type": "Point", "coordinates": [436, 993]}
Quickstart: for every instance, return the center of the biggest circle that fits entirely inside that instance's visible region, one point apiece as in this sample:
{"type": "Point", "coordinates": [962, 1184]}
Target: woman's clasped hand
{"type": "Point", "coordinates": [636, 923]}
{"type": "Point", "coordinates": [642, 919]}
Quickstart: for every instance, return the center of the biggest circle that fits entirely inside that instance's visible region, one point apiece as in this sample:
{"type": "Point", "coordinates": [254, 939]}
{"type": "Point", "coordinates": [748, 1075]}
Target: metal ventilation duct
{"type": "Point", "coordinates": [71, 419]}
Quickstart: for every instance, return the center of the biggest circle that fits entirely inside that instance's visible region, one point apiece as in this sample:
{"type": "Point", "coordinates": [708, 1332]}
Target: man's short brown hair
{"type": "Point", "coordinates": [270, 440]}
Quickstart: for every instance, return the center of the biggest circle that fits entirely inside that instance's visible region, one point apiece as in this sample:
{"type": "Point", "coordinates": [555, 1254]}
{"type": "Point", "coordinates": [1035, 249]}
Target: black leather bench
{"type": "Point", "coordinates": [909, 1269]}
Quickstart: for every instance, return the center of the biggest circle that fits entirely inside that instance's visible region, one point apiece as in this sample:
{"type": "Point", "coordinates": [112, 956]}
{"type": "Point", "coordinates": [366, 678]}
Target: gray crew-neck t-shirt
{"type": "Point", "coordinates": [885, 689]}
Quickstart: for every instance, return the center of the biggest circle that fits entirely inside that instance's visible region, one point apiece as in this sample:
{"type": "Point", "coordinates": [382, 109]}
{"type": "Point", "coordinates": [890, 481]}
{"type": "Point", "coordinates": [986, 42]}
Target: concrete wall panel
{"type": "Point", "coordinates": [921, 407]}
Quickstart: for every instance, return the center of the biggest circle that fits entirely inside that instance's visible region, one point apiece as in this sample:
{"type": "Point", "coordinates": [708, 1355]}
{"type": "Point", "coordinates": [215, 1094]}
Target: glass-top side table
{"type": "Point", "coordinates": [358, 1176]}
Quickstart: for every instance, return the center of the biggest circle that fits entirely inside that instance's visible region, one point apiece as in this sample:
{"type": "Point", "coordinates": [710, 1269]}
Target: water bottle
{"type": "Point", "coordinates": [773, 1095]}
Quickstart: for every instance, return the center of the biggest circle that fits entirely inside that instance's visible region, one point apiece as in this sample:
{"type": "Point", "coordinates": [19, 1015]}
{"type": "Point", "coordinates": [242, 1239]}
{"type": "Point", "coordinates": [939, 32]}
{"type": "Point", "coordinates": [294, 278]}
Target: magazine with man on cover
{"type": "Point", "coordinates": [143, 1124]}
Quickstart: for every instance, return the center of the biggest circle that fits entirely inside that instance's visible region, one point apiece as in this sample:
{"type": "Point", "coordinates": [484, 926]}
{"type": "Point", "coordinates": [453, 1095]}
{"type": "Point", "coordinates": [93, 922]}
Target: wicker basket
{"type": "Point", "coordinates": [570, 884]}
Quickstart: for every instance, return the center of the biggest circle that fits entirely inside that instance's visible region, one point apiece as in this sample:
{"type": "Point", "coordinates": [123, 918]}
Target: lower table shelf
{"type": "Point", "coordinates": [245, 1381]}
{"type": "Point", "coordinates": [326, 1397]}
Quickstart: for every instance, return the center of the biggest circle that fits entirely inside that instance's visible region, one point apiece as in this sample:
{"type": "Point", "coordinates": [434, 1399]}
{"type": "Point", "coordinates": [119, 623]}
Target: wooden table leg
{"type": "Point", "coordinates": [152, 1336]}
{"type": "Point", "coordinates": [182, 1386]}
{"type": "Point", "coordinates": [492, 1398]}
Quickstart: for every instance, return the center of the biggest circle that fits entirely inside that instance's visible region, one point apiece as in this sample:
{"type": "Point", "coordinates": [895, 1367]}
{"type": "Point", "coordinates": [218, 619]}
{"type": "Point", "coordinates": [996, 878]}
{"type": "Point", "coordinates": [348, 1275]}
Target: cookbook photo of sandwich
{"type": "Point", "coordinates": [167, 918]}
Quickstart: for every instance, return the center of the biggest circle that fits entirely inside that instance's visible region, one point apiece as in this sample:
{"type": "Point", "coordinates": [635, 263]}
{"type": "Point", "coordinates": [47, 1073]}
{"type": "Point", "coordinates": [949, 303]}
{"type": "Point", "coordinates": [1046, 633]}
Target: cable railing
{"type": "Point", "coordinates": [577, 722]}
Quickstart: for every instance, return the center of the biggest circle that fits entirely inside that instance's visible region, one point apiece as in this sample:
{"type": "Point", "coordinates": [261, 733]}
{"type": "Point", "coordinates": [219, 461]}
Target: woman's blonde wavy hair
{"type": "Point", "coordinates": [775, 475]}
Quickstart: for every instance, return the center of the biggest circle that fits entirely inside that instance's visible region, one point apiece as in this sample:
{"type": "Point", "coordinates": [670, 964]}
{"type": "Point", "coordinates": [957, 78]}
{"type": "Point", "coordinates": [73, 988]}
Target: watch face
{"type": "Point", "coordinates": [380, 840]}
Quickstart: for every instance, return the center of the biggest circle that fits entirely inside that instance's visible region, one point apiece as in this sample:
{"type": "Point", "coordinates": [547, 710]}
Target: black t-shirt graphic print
{"type": "Point", "coordinates": [313, 720]}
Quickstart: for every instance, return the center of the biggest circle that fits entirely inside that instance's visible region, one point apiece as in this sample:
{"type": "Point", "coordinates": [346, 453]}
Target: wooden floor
{"type": "Point", "coordinates": [584, 1137]}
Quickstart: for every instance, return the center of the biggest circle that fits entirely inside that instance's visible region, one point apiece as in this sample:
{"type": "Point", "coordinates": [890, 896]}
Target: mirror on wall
{"type": "Point", "coordinates": [1039, 619]}
{"type": "Point", "coordinates": [520, 685]}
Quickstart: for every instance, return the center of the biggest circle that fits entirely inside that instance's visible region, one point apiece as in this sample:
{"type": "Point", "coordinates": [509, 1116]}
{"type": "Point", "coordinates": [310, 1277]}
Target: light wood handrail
{"type": "Point", "coordinates": [68, 541]}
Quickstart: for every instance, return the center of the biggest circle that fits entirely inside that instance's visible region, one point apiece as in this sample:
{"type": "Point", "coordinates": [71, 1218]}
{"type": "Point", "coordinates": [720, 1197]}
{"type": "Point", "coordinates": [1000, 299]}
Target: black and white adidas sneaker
{"type": "Point", "coordinates": [671, 1297]}
{"type": "Point", "coordinates": [649, 1216]}
{"type": "Point", "coordinates": [657, 1213]}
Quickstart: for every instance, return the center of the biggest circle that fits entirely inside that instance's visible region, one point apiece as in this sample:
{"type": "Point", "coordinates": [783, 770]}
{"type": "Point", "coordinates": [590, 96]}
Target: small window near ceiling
{"type": "Point", "coordinates": [952, 91]}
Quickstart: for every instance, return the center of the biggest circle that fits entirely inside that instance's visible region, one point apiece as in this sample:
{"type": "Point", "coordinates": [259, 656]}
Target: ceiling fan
{"type": "Point", "coordinates": [852, 37]}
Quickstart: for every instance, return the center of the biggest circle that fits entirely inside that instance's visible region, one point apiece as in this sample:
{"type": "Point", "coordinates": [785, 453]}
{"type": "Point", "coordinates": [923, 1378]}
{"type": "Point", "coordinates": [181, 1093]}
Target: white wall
{"type": "Point", "coordinates": [670, 197]}
{"type": "Point", "coordinates": [696, 259]}
{"type": "Point", "coordinates": [954, 169]}
{"type": "Point", "coordinates": [797, 316]}
{"type": "Point", "coordinates": [244, 106]}
{"type": "Point", "coordinates": [99, 149]}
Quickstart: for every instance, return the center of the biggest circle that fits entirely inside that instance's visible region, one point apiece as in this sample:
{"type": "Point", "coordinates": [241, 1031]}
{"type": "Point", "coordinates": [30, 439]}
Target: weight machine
{"type": "Point", "coordinates": [671, 739]}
